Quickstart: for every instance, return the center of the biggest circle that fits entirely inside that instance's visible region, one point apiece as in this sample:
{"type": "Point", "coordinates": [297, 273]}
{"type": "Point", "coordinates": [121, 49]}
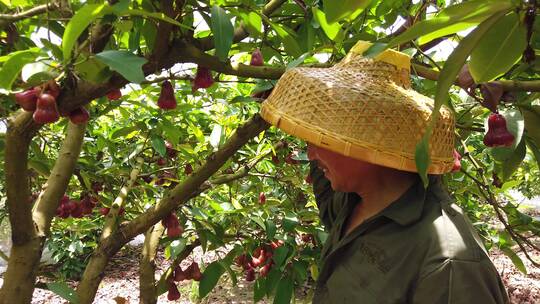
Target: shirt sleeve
{"type": "Point", "coordinates": [461, 282]}
{"type": "Point", "coordinates": [324, 195]}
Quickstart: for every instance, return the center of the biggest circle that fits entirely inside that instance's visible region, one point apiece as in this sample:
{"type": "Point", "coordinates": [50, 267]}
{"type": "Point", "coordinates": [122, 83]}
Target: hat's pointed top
{"type": "Point", "coordinates": [395, 58]}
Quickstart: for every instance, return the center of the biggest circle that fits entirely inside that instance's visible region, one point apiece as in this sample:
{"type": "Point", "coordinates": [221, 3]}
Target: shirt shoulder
{"type": "Point", "coordinates": [446, 234]}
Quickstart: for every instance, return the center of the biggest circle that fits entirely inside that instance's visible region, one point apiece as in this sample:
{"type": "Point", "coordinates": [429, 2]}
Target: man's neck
{"type": "Point", "coordinates": [377, 193]}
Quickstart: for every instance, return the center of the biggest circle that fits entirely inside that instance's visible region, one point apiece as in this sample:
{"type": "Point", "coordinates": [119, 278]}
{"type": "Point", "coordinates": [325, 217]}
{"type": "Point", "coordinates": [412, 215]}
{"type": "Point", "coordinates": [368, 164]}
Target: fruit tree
{"type": "Point", "coordinates": [121, 118]}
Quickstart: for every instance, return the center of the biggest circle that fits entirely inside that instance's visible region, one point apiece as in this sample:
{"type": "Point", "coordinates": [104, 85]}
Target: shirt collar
{"type": "Point", "coordinates": [408, 208]}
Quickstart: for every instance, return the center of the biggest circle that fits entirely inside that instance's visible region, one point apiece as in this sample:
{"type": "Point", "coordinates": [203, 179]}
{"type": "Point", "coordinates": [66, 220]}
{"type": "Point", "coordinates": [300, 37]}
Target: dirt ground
{"type": "Point", "coordinates": [121, 283]}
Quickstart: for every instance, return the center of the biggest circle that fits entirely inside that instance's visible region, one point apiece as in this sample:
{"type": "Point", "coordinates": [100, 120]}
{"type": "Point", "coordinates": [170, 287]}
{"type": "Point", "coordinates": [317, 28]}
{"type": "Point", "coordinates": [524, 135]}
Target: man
{"type": "Point", "coordinates": [391, 240]}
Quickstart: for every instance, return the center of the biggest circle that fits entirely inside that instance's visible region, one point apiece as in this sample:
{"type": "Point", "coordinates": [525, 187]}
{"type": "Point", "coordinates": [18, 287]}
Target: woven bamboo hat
{"type": "Point", "coordinates": [362, 108]}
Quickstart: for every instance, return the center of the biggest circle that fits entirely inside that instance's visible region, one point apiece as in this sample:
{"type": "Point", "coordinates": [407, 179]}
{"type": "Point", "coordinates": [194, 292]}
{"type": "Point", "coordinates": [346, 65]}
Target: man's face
{"type": "Point", "coordinates": [344, 173]}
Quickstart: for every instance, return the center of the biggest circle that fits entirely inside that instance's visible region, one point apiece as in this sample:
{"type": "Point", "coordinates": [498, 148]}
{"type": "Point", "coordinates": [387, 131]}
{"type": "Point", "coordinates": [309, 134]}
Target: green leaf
{"type": "Point", "coordinates": [532, 122]}
{"type": "Point", "coordinates": [13, 64]}
{"type": "Point", "coordinates": [40, 77]}
{"type": "Point", "coordinates": [259, 289]}
{"type": "Point", "coordinates": [462, 16]}
{"type": "Point", "coordinates": [172, 132]}
{"type": "Point", "coordinates": [253, 23]}
{"type": "Point", "coordinates": [375, 49]}
{"type": "Point", "coordinates": [93, 70]}
{"type": "Point", "coordinates": [55, 49]}
{"type": "Point", "coordinates": [280, 255]}
{"type": "Point", "coordinates": [300, 270]}
{"type": "Point", "coordinates": [153, 15]}
{"type": "Point", "coordinates": [284, 291]}
{"type": "Point", "coordinates": [176, 247]}
{"type": "Point", "coordinates": [63, 290]}
{"type": "Point", "coordinates": [512, 164]}
{"type": "Point", "coordinates": [338, 10]}
{"type": "Point", "coordinates": [421, 157]}
{"type": "Point", "coordinates": [125, 63]}
{"type": "Point", "coordinates": [78, 23]}
{"type": "Point", "coordinates": [330, 29]}
{"type": "Point", "coordinates": [159, 145]}
{"type": "Point", "coordinates": [270, 229]}
{"type": "Point", "coordinates": [536, 151]}
{"type": "Point", "coordinates": [210, 277]}
{"type": "Point", "coordinates": [123, 132]}
{"type": "Point", "coordinates": [223, 32]}
{"type": "Point", "coordinates": [456, 60]}
{"type": "Point", "coordinates": [272, 280]}
{"type": "Point", "coordinates": [499, 49]}
{"type": "Point", "coordinates": [469, 13]}
{"type": "Point", "coordinates": [516, 260]}
{"type": "Point", "coordinates": [40, 166]}
{"type": "Point", "coordinates": [288, 38]}
{"type": "Point", "coordinates": [149, 32]}
{"type": "Point", "coordinates": [298, 61]}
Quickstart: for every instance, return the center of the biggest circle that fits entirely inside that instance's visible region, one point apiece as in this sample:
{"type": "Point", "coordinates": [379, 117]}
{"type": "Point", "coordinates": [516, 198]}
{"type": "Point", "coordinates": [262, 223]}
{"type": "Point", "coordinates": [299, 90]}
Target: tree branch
{"type": "Point", "coordinates": [58, 180]}
{"type": "Point", "coordinates": [112, 218]}
{"type": "Point", "coordinates": [508, 85]}
{"type": "Point", "coordinates": [161, 45]}
{"type": "Point", "coordinates": [6, 19]}
{"type": "Point", "coordinates": [190, 53]}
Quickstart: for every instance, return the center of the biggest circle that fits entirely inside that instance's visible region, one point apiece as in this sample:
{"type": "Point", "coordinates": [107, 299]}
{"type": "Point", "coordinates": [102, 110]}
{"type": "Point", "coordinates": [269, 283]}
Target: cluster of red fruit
{"type": "Point", "coordinates": [167, 174]}
{"type": "Point", "coordinates": [193, 272]}
{"type": "Point", "coordinates": [42, 101]}
{"type": "Point", "coordinates": [170, 152]}
{"type": "Point", "coordinates": [76, 209]}
{"type": "Point", "coordinates": [260, 258]}
{"type": "Point", "coordinates": [174, 229]}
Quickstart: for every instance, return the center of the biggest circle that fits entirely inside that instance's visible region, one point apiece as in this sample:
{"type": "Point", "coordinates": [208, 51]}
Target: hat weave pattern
{"type": "Point", "coordinates": [361, 108]}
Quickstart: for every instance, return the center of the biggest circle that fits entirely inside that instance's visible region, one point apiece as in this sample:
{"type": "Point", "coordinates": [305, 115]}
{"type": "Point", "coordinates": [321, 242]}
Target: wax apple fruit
{"type": "Point", "coordinates": [46, 110]}
{"type": "Point", "coordinates": [497, 134]}
{"type": "Point", "coordinates": [203, 79]}
{"type": "Point", "coordinates": [171, 152]}
{"type": "Point", "coordinates": [194, 271]}
{"type": "Point", "coordinates": [166, 99]}
{"type": "Point", "coordinates": [114, 94]}
{"type": "Point", "coordinates": [173, 294]}
{"type": "Point", "coordinates": [188, 169]}
{"type": "Point", "coordinates": [457, 161]}
{"type": "Point", "coordinates": [250, 275]}
{"type": "Point", "coordinates": [256, 58]}
{"type": "Point", "coordinates": [27, 99]}
{"type": "Point", "coordinates": [79, 116]}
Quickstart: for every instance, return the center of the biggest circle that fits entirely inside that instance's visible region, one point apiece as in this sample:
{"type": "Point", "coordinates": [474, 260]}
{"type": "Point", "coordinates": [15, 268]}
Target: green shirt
{"type": "Point", "coordinates": [420, 249]}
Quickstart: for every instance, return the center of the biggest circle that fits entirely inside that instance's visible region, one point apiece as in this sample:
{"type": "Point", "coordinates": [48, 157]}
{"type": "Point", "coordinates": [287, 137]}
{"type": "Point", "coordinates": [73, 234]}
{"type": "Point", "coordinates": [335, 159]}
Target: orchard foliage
{"type": "Point", "coordinates": [140, 117]}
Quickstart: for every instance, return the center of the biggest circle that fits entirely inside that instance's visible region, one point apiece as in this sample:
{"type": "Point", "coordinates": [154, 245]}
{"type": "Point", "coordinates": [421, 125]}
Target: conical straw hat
{"type": "Point", "coordinates": [363, 108]}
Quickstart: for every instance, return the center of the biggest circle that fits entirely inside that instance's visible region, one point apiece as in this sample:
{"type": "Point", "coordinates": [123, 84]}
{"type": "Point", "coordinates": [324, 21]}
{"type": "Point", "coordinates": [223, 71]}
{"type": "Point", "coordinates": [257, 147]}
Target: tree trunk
{"type": "Point", "coordinates": [30, 229]}
{"type": "Point", "coordinates": [20, 276]}
{"type": "Point", "coordinates": [147, 266]}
